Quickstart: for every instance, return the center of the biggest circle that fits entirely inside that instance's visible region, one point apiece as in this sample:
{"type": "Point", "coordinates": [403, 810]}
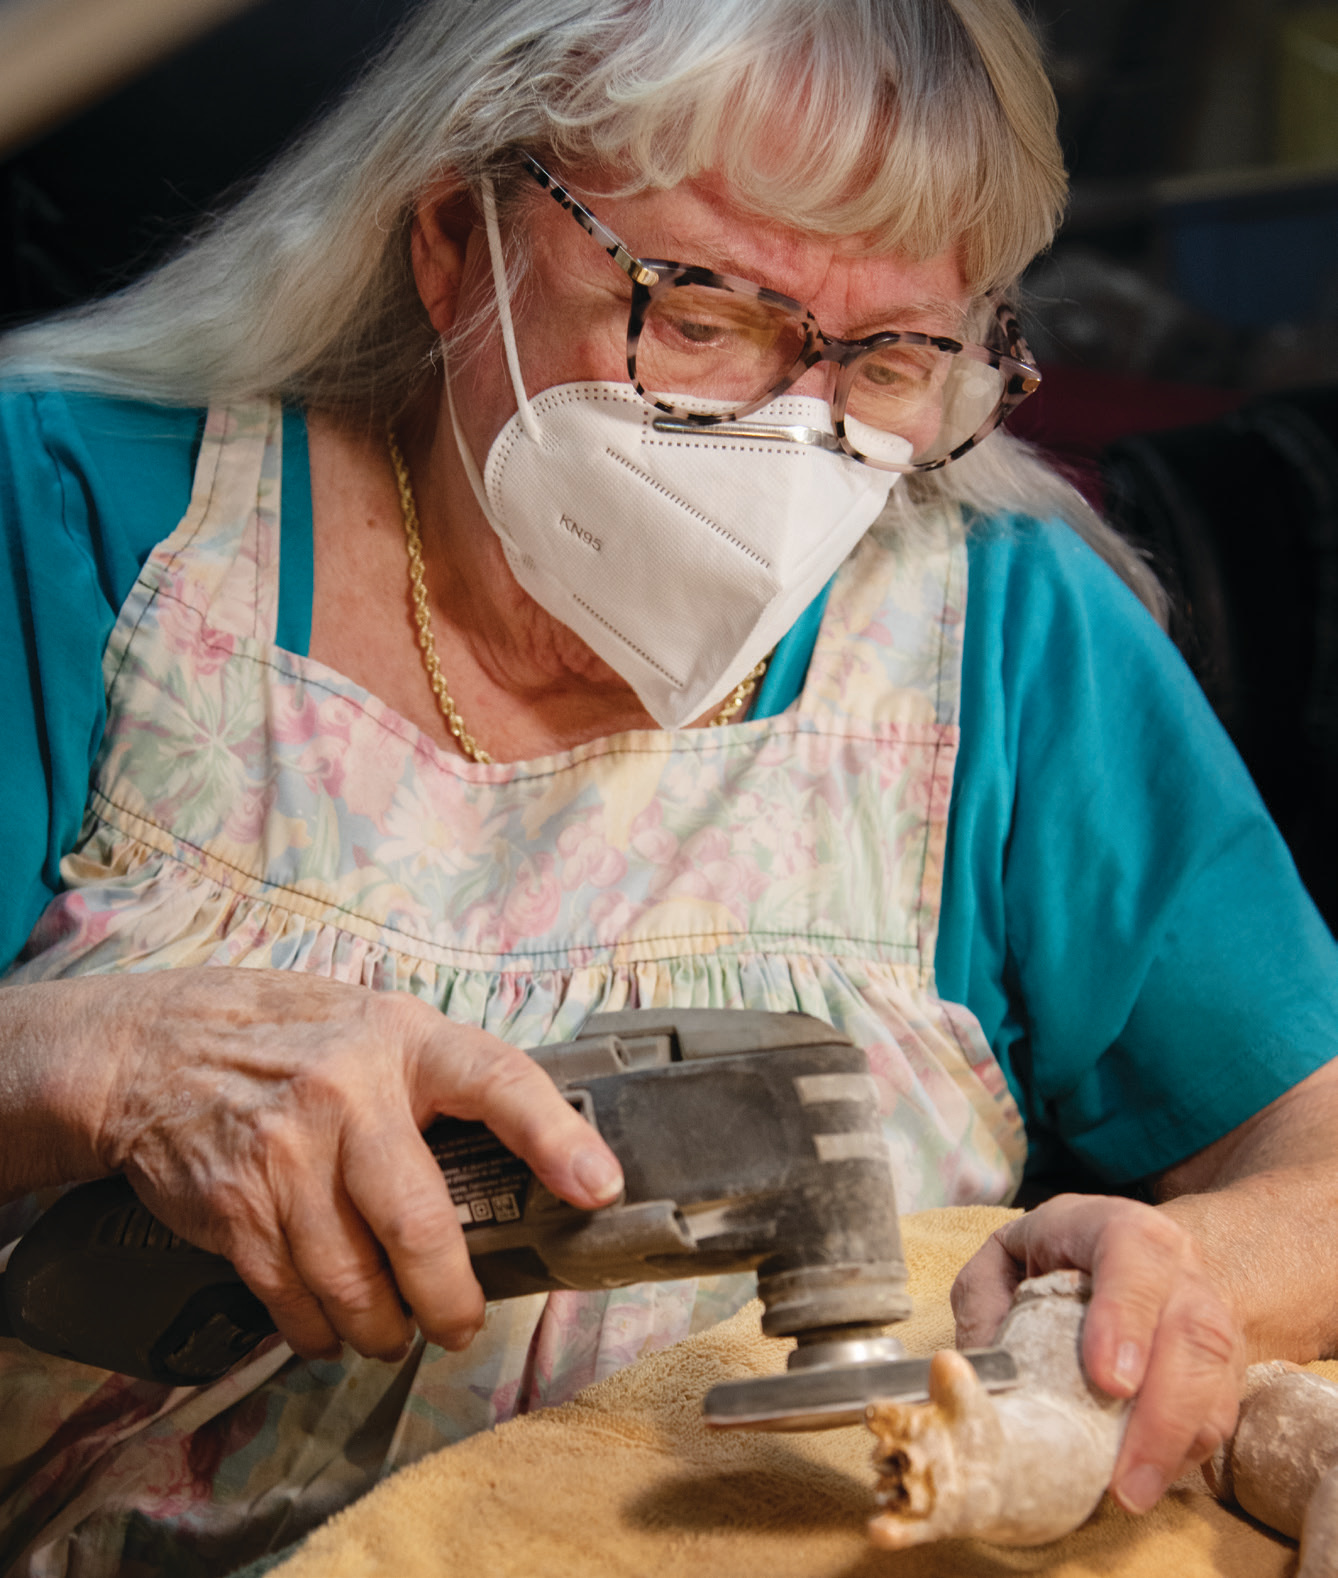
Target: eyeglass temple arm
{"type": "Point", "coordinates": [1017, 348]}
{"type": "Point", "coordinates": [630, 265]}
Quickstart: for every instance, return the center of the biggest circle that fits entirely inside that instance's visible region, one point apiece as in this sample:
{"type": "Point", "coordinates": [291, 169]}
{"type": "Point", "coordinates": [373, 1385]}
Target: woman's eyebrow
{"type": "Point", "coordinates": [931, 314]}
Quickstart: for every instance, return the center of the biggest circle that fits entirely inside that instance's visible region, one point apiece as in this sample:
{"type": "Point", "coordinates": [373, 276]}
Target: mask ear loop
{"type": "Point", "coordinates": [523, 407]}
{"type": "Point", "coordinates": [524, 410]}
{"type": "Point", "coordinates": [467, 461]}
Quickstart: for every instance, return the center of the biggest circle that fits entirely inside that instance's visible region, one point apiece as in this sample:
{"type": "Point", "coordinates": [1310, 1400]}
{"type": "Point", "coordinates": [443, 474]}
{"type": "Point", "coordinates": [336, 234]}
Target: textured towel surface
{"type": "Point", "coordinates": [626, 1482]}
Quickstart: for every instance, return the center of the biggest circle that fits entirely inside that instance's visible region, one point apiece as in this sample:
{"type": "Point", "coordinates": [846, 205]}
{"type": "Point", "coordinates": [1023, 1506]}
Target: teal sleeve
{"type": "Point", "coordinates": [87, 487]}
{"type": "Point", "coordinates": [296, 568]}
{"type": "Point", "coordinates": [1119, 911]}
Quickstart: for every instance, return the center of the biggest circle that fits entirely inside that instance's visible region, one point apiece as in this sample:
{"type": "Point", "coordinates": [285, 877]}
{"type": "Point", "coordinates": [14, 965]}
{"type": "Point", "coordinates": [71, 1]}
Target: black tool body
{"type": "Point", "coordinates": [748, 1140]}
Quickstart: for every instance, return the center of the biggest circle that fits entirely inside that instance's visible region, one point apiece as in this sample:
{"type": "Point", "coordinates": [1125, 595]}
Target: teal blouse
{"type": "Point", "coordinates": [1119, 911]}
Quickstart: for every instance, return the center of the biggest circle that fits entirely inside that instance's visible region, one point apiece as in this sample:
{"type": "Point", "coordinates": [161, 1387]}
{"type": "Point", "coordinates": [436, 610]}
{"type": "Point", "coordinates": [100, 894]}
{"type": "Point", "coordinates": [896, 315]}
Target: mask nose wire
{"type": "Point", "coordinates": [528, 421]}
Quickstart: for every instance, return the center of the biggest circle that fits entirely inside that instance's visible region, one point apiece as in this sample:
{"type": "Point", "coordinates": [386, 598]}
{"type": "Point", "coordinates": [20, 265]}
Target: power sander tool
{"type": "Point", "coordinates": [748, 1141]}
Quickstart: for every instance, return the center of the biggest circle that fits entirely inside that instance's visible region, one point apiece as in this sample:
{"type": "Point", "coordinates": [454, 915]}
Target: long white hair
{"type": "Point", "coordinates": [919, 123]}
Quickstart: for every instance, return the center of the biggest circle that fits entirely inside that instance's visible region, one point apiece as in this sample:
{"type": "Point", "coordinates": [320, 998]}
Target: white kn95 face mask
{"type": "Point", "coordinates": [681, 558]}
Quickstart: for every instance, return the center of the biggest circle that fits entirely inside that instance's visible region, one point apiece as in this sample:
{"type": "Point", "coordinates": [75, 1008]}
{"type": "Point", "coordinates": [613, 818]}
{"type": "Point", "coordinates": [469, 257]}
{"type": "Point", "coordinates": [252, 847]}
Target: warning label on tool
{"type": "Point", "coordinates": [487, 1182]}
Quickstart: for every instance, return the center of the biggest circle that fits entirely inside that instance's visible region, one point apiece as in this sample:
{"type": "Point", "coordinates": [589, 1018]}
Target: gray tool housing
{"type": "Point", "coordinates": [748, 1141]}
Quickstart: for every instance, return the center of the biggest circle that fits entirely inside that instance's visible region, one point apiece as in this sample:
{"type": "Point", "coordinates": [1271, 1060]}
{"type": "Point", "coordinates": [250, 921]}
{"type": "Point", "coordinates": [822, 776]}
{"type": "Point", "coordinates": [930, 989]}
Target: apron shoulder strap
{"type": "Point", "coordinates": [890, 649]}
{"type": "Point", "coordinates": [221, 564]}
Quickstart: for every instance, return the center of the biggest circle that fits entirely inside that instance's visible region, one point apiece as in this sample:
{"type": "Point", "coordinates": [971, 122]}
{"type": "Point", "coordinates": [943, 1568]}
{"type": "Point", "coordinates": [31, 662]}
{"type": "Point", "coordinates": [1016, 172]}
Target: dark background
{"type": "Point", "coordinates": [1186, 319]}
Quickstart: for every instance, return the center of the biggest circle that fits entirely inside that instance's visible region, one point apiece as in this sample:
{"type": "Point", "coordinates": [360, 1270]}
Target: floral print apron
{"type": "Point", "coordinates": [253, 808]}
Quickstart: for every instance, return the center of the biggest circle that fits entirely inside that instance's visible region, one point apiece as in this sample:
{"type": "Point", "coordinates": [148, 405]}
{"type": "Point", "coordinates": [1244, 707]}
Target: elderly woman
{"type": "Point", "coordinates": [548, 550]}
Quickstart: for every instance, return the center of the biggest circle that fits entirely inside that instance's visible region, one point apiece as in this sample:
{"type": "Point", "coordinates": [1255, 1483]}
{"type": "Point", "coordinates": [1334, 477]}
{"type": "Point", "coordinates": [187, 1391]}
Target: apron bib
{"type": "Point", "coordinates": [253, 808]}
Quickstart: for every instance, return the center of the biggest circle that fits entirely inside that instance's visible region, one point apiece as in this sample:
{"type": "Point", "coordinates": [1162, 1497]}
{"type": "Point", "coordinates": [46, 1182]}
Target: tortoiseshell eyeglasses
{"type": "Point", "coordinates": [707, 349]}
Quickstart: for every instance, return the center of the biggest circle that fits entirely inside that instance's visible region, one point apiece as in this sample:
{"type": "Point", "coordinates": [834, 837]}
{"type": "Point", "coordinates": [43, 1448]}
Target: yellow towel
{"type": "Point", "coordinates": [626, 1482]}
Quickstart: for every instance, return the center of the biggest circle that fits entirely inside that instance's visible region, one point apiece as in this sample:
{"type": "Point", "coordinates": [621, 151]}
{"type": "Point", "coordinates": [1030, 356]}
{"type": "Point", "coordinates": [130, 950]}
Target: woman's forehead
{"type": "Point", "coordinates": [700, 221]}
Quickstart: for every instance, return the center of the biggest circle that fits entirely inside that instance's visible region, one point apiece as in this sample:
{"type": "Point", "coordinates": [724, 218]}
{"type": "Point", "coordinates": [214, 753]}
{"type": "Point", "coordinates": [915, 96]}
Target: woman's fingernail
{"type": "Point", "coordinates": [1139, 1488]}
{"type": "Point", "coordinates": [598, 1174]}
{"type": "Point", "coordinates": [1129, 1366]}
{"type": "Point", "coordinates": [458, 1338]}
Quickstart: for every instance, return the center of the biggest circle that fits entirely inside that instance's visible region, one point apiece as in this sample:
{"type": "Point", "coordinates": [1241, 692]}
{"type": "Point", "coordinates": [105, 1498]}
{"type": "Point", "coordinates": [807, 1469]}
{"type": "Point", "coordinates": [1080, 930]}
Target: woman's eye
{"type": "Point", "coordinates": [696, 333]}
{"type": "Point", "coordinates": [887, 372]}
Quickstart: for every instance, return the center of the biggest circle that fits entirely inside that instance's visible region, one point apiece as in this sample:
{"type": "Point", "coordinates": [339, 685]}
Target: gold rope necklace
{"type": "Point", "coordinates": [422, 618]}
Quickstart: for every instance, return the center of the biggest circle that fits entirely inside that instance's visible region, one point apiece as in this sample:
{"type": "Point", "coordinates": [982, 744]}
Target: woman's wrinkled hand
{"type": "Point", "coordinates": [1157, 1326]}
{"type": "Point", "coordinates": [276, 1119]}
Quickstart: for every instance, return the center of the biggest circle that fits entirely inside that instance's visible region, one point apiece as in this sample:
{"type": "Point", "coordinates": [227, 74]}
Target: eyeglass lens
{"type": "Point", "coordinates": [718, 348]}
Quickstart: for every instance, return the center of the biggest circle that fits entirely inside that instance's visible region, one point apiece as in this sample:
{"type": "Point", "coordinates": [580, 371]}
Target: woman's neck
{"type": "Point", "coordinates": [523, 683]}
